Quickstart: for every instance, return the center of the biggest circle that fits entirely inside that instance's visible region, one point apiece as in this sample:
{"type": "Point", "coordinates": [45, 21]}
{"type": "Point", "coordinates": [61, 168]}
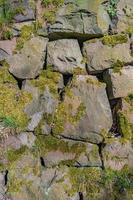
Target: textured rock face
{"type": "Point", "coordinates": [31, 61]}
{"type": "Point", "coordinates": [119, 84]}
{"type": "Point", "coordinates": [79, 113]}
{"type": "Point", "coordinates": [6, 48]}
{"type": "Point", "coordinates": [125, 15]}
{"type": "Point", "coordinates": [28, 8]}
{"type": "Point", "coordinates": [65, 56]}
{"type": "Point", "coordinates": [117, 155]}
{"type": "Point", "coordinates": [66, 100]}
{"type": "Point", "coordinates": [79, 21]}
{"type": "Point", "coordinates": [100, 57]}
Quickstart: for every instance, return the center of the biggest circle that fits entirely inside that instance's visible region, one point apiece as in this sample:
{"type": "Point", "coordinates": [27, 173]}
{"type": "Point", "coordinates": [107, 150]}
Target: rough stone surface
{"type": "Point", "coordinates": [117, 155]}
{"type": "Point", "coordinates": [100, 57]}
{"type": "Point", "coordinates": [80, 21]}
{"type": "Point", "coordinates": [65, 56]}
{"type": "Point", "coordinates": [28, 13]}
{"type": "Point", "coordinates": [125, 15]}
{"type": "Point", "coordinates": [89, 157]}
{"type": "Point", "coordinates": [89, 95]}
{"type": "Point", "coordinates": [6, 48]}
{"type": "Point", "coordinates": [119, 84]}
{"type": "Point", "coordinates": [28, 63]}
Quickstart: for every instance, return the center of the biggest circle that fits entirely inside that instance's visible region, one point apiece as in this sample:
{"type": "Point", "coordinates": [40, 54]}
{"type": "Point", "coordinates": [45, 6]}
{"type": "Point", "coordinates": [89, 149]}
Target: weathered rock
{"type": "Point", "coordinates": [56, 152]}
{"type": "Point", "coordinates": [116, 155]}
{"type": "Point", "coordinates": [119, 84]}
{"type": "Point", "coordinates": [80, 21]}
{"type": "Point", "coordinates": [45, 96]}
{"type": "Point", "coordinates": [28, 10]}
{"type": "Point", "coordinates": [22, 178]}
{"type": "Point", "coordinates": [27, 139]}
{"type": "Point", "coordinates": [28, 63]}
{"type": "Point", "coordinates": [71, 183]}
{"type": "Point", "coordinates": [100, 56]}
{"type": "Point", "coordinates": [36, 118]}
{"type": "Point", "coordinates": [65, 56]}
{"type": "Point", "coordinates": [85, 111]}
{"type": "Point", "coordinates": [6, 48]}
{"type": "Point", "coordinates": [125, 15]}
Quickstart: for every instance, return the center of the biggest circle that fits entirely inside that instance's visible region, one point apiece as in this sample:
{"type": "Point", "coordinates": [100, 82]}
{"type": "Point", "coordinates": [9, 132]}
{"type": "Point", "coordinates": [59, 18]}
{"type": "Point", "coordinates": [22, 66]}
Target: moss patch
{"type": "Point", "coordinates": [12, 104]}
{"type": "Point", "coordinates": [112, 40]}
{"type": "Point", "coordinates": [49, 143]}
{"type": "Point", "coordinates": [117, 66]}
{"type": "Point", "coordinates": [86, 181]}
{"type": "Point", "coordinates": [48, 79]}
{"type": "Point", "coordinates": [5, 76]}
{"type": "Point", "coordinates": [125, 127]}
{"type": "Point", "coordinates": [25, 35]}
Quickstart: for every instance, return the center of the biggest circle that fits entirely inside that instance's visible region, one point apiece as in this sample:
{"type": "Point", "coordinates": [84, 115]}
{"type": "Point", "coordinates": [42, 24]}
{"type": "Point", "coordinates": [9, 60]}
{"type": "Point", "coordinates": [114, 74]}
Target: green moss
{"type": "Point", "coordinates": [25, 35]}
{"type": "Point", "coordinates": [129, 99]}
{"type": "Point", "coordinates": [64, 114]}
{"type": "Point", "coordinates": [112, 40]}
{"type": "Point", "coordinates": [94, 82]}
{"type": "Point", "coordinates": [117, 181]}
{"type": "Point", "coordinates": [129, 31]}
{"type": "Point", "coordinates": [117, 66]}
{"type": "Point", "coordinates": [85, 180]}
{"type": "Point", "coordinates": [49, 143]}
{"type": "Point", "coordinates": [125, 126]}
{"type": "Point", "coordinates": [51, 9]}
{"type": "Point", "coordinates": [79, 70]}
{"type": "Point", "coordinates": [5, 76]}
{"type": "Point", "coordinates": [12, 104]}
{"type": "Point", "coordinates": [48, 79]}
{"type": "Point", "coordinates": [14, 155]}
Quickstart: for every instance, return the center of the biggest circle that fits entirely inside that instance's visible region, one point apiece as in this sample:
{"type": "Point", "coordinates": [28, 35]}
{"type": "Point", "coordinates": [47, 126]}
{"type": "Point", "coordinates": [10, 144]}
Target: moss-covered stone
{"type": "Point", "coordinates": [26, 34]}
{"type": "Point", "coordinates": [49, 143]}
{"type": "Point", "coordinates": [125, 127]}
{"type": "Point", "coordinates": [86, 181]}
{"type": "Point", "coordinates": [48, 79]}
{"type": "Point", "coordinates": [117, 66]}
{"type": "Point", "coordinates": [64, 114]}
{"type": "Point", "coordinates": [112, 40]}
{"type": "Point", "coordinates": [12, 104]}
{"type": "Point", "coordinates": [5, 76]}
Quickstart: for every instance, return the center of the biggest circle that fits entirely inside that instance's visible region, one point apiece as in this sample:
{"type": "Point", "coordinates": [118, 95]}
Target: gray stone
{"type": "Point", "coordinates": [72, 153]}
{"type": "Point", "coordinates": [100, 57]}
{"type": "Point", "coordinates": [125, 15]}
{"type": "Point", "coordinates": [65, 56]}
{"type": "Point", "coordinates": [28, 8]}
{"type": "Point", "coordinates": [36, 118]}
{"type": "Point", "coordinates": [6, 48]}
{"type": "Point", "coordinates": [116, 154]}
{"type": "Point", "coordinates": [80, 20]}
{"type": "Point", "coordinates": [85, 112]}
{"type": "Point", "coordinates": [28, 63]}
{"type": "Point", "coordinates": [119, 84]}
{"type": "Point", "coordinates": [27, 139]}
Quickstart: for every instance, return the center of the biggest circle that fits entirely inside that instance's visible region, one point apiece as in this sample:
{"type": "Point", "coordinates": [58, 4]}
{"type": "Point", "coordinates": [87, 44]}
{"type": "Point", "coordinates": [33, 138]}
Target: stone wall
{"type": "Point", "coordinates": [66, 101]}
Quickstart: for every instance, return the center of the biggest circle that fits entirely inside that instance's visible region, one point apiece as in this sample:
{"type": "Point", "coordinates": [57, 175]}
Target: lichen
{"type": "Point", "coordinates": [112, 40]}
